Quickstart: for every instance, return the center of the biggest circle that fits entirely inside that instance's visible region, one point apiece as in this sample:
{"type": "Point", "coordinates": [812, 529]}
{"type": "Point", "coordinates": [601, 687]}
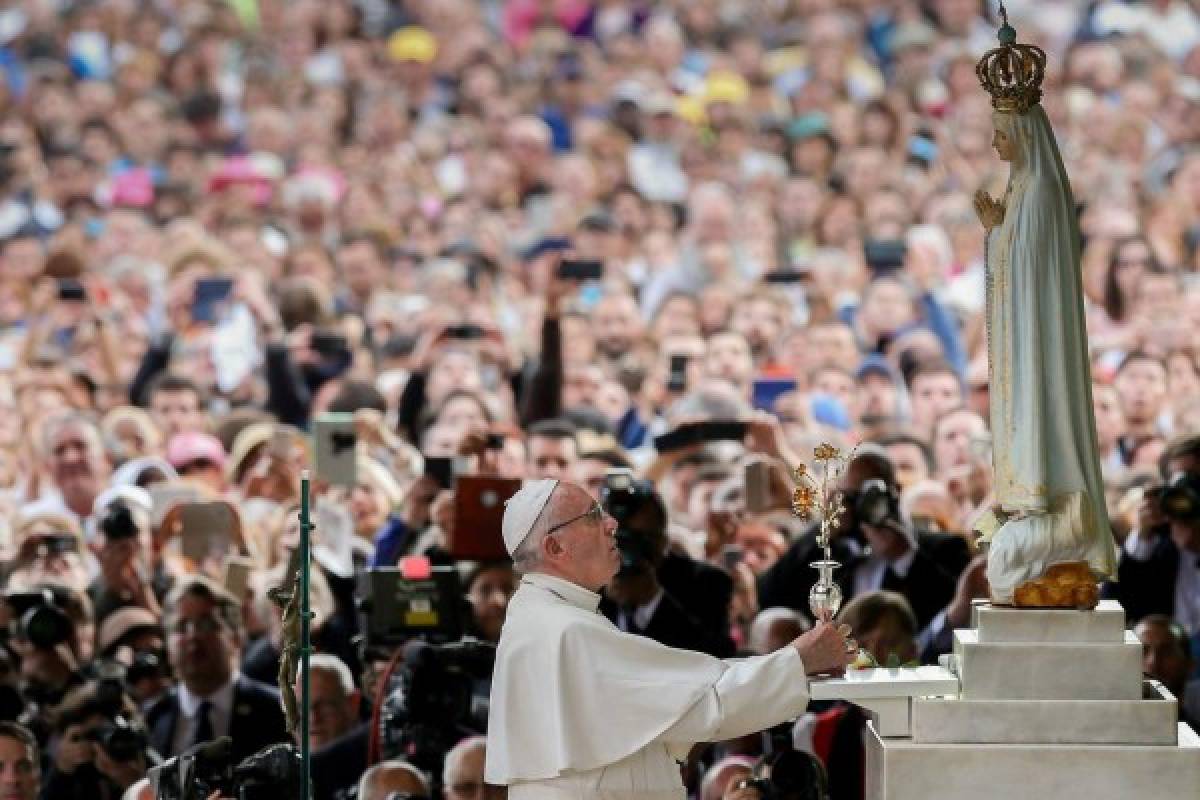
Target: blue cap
{"type": "Point", "coordinates": [828, 410]}
{"type": "Point", "coordinates": [875, 364]}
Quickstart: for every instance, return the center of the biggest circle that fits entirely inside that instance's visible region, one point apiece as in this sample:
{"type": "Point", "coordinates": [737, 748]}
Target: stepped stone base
{"type": "Point", "coordinates": [1048, 670]}
{"type": "Point", "coordinates": [1153, 720]}
{"type": "Point", "coordinates": [901, 769]}
{"type": "Point", "coordinates": [1104, 624]}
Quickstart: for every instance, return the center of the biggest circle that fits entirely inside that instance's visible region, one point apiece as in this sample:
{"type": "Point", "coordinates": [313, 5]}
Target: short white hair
{"type": "Point", "coordinates": [457, 753]}
{"type": "Point", "coordinates": [368, 777]}
{"type": "Point", "coordinates": [328, 662]}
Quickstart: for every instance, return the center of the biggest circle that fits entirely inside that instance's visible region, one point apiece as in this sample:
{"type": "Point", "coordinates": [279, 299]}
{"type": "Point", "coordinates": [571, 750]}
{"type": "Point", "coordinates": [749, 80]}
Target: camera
{"type": "Point", "coordinates": [118, 522]}
{"type": "Point", "coordinates": [1179, 499]}
{"type": "Point", "coordinates": [195, 774]}
{"type": "Point", "coordinates": [121, 738]}
{"type": "Point", "coordinates": [875, 503]}
{"type": "Point", "coordinates": [433, 700]}
{"type": "Point", "coordinates": [788, 775]}
{"type": "Point", "coordinates": [41, 620]}
{"type": "Point", "coordinates": [146, 664]}
{"type": "Point", "coordinates": [624, 497]}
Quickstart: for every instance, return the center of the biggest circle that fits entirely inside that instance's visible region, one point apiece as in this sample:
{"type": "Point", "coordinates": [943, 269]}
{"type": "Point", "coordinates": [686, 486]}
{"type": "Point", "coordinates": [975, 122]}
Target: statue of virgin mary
{"type": "Point", "coordinates": [1049, 497]}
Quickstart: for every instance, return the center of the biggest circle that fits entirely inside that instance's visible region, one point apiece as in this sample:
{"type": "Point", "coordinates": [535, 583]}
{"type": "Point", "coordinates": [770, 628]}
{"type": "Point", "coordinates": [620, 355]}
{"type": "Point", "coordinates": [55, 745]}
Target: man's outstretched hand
{"type": "Point", "coordinates": [826, 648]}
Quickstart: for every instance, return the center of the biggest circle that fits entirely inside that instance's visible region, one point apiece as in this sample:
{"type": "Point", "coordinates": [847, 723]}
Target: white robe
{"type": "Point", "coordinates": [1047, 463]}
{"type": "Point", "coordinates": [581, 709]}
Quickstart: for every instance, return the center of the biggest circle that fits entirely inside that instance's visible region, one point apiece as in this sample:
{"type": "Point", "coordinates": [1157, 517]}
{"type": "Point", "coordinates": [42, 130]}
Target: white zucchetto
{"type": "Point", "coordinates": [522, 510]}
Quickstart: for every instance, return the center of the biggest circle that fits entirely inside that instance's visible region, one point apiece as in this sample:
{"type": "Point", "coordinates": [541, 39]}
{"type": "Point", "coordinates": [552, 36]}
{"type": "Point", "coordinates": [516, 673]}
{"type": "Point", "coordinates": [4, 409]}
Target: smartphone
{"type": "Point", "coordinates": [71, 291]}
{"type": "Point", "coordinates": [574, 269]}
{"type": "Point", "coordinates": [236, 575]}
{"type": "Point", "coordinates": [757, 477]}
{"type": "Point", "coordinates": [767, 390]}
{"type": "Point", "coordinates": [731, 556]}
{"type": "Point", "coordinates": [336, 453]}
{"type": "Point", "coordinates": [209, 298]}
{"type": "Point", "coordinates": [206, 530]}
{"type": "Point", "coordinates": [478, 512]}
{"type": "Point", "coordinates": [721, 430]}
{"type": "Point", "coordinates": [694, 433]}
{"type": "Point", "coordinates": [785, 276]}
{"type": "Point", "coordinates": [495, 441]}
{"type": "Point", "coordinates": [884, 255]}
{"type": "Point", "coordinates": [440, 470]}
{"type": "Point", "coordinates": [677, 374]}
{"type": "Point", "coordinates": [329, 344]}
{"type": "Point", "coordinates": [466, 332]}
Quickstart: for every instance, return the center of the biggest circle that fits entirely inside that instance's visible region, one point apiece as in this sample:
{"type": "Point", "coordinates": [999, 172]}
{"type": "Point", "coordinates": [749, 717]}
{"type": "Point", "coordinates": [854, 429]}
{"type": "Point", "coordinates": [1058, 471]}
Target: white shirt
{"type": "Point", "coordinates": [1187, 580]}
{"type": "Point", "coordinates": [641, 615]}
{"type": "Point", "coordinates": [220, 713]}
{"type": "Point", "coordinates": [580, 709]}
{"type": "Point", "coordinates": [868, 576]}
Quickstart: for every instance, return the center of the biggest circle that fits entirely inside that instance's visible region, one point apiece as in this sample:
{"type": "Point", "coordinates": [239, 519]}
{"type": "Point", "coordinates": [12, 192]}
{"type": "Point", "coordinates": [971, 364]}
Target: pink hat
{"type": "Point", "coordinates": [192, 446]}
{"type": "Point", "coordinates": [241, 171]}
{"type": "Point", "coordinates": [133, 188]}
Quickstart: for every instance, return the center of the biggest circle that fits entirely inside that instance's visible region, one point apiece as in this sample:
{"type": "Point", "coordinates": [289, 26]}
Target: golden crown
{"type": "Point", "coordinates": [1012, 73]}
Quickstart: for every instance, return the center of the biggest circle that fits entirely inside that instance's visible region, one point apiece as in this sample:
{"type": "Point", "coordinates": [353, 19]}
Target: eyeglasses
{"type": "Point", "coordinates": [593, 514]}
{"type": "Point", "coordinates": [204, 626]}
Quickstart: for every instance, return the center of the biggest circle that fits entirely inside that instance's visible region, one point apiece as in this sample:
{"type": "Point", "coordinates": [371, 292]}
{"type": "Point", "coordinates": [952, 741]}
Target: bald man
{"type": "Point", "coordinates": [462, 772]}
{"type": "Point", "coordinates": [392, 776]}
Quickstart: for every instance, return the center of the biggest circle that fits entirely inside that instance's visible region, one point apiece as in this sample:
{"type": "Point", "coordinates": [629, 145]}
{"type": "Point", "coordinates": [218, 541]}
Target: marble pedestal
{"type": "Point", "coordinates": [901, 769]}
{"type": "Point", "coordinates": [1050, 705]}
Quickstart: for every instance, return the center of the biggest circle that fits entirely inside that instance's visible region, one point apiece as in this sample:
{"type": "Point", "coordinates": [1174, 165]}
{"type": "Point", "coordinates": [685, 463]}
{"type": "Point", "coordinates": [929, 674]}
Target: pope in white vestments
{"type": "Point", "coordinates": [580, 708]}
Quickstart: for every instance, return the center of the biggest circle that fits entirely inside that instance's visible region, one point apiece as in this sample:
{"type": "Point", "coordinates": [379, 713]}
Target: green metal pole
{"type": "Point", "coordinates": [306, 527]}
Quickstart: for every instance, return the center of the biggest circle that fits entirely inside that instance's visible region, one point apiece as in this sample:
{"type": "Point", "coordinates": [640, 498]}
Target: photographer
{"type": "Point", "coordinates": [99, 745]}
{"type": "Point", "coordinates": [134, 638]}
{"type": "Point", "coordinates": [636, 599]}
{"type": "Point", "coordinates": [49, 546]}
{"type": "Point", "coordinates": [1158, 573]}
{"type": "Point", "coordinates": [126, 555]}
{"type": "Point", "coordinates": [53, 640]}
{"type": "Point", "coordinates": [881, 549]}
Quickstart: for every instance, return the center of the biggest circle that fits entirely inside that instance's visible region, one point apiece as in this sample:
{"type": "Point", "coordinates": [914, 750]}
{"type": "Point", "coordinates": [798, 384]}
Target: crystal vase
{"type": "Point", "coordinates": [825, 595]}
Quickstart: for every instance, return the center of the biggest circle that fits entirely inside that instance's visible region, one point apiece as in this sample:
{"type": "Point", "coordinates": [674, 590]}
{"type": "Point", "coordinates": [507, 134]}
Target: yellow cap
{"type": "Point", "coordinates": [690, 109]}
{"type": "Point", "coordinates": [412, 44]}
{"type": "Point", "coordinates": [726, 87]}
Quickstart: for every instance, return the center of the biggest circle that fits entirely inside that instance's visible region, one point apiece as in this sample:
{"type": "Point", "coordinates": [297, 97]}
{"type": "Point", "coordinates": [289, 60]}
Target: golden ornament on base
{"type": "Point", "coordinates": [1067, 585]}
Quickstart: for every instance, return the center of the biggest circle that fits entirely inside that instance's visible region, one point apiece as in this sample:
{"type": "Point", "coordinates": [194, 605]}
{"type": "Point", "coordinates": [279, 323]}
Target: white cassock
{"type": "Point", "coordinates": [581, 709]}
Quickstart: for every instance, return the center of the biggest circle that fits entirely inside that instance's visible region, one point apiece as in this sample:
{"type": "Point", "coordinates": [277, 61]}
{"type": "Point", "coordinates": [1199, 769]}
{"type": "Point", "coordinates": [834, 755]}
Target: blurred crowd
{"type": "Point", "coordinates": [532, 237]}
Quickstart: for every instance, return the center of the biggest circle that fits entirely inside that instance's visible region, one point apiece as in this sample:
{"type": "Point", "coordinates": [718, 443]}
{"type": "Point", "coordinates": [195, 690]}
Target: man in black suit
{"type": "Point", "coordinates": [639, 599]}
{"type": "Point", "coordinates": [204, 623]}
{"type": "Point", "coordinates": [336, 734]}
{"type": "Point", "coordinates": [888, 555]}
